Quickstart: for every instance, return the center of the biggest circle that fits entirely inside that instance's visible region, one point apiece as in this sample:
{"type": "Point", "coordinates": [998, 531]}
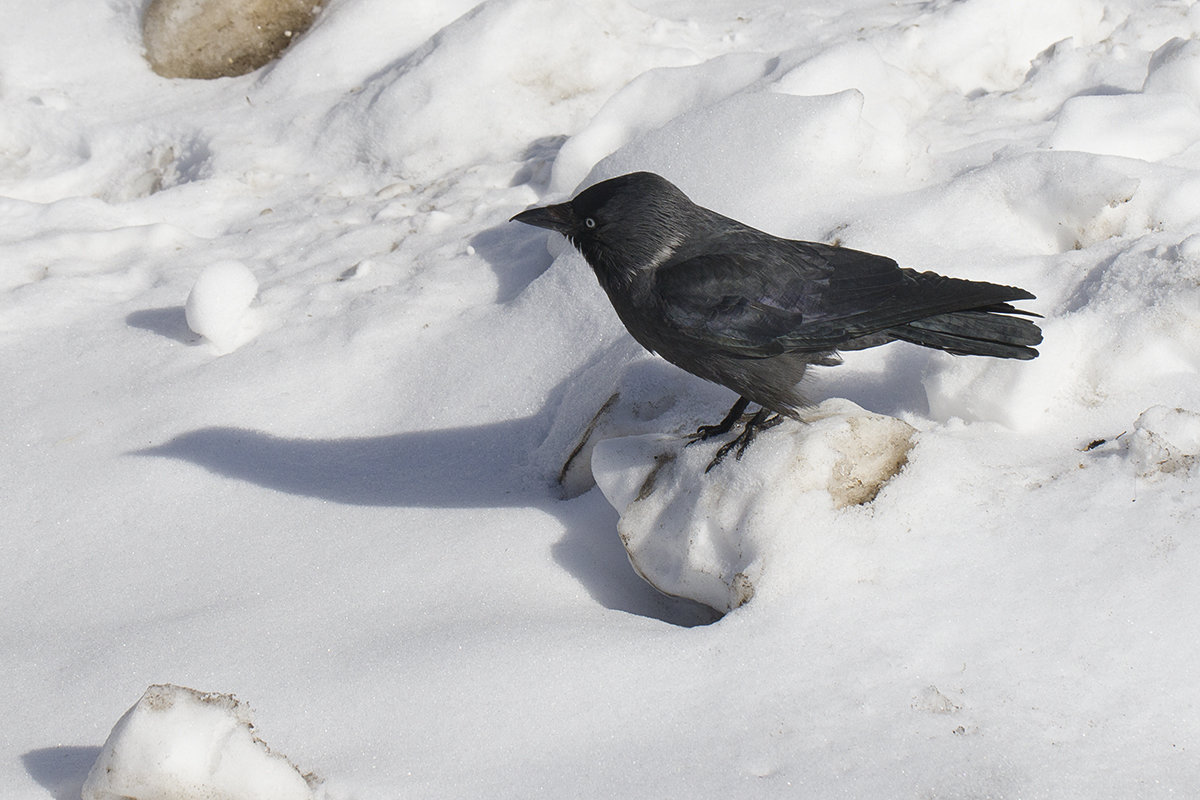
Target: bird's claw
{"type": "Point", "coordinates": [734, 416]}
{"type": "Point", "coordinates": [706, 432]}
{"type": "Point", "coordinates": [759, 422]}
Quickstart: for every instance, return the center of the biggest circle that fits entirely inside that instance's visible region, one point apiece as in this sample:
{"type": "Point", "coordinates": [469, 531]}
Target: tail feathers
{"type": "Point", "coordinates": [990, 331]}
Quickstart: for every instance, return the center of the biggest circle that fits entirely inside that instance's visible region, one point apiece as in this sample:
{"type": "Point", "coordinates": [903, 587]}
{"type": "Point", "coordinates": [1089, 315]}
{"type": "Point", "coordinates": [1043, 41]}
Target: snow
{"type": "Point", "coordinates": [177, 742]}
{"type": "Point", "coordinates": [1165, 440]}
{"type": "Point", "coordinates": [218, 305]}
{"type": "Point", "coordinates": [709, 540]}
{"type": "Point", "coordinates": [1143, 126]}
{"type": "Point", "coordinates": [338, 496]}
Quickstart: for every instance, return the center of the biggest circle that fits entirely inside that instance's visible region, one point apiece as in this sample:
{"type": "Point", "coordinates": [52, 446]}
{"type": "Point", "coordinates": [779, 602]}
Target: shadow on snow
{"type": "Point", "coordinates": [61, 770]}
{"type": "Point", "coordinates": [481, 466]}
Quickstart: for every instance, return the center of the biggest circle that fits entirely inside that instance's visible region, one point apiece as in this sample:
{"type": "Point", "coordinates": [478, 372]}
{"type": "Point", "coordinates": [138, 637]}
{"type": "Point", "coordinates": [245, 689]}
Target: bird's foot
{"type": "Point", "coordinates": [705, 432]}
{"type": "Point", "coordinates": [761, 421]}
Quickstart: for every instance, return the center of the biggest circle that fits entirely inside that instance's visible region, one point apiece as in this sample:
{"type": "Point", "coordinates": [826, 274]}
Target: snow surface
{"type": "Point", "coordinates": [353, 520]}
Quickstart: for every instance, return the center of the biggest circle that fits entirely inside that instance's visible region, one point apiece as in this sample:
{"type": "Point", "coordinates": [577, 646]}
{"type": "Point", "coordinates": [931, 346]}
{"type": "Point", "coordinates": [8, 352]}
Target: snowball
{"type": "Point", "coordinates": [708, 536]}
{"type": "Point", "coordinates": [1150, 127]}
{"type": "Point", "coordinates": [177, 743]}
{"type": "Point", "coordinates": [1165, 440]}
{"type": "Point", "coordinates": [220, 38]}
{"type": "Point", "coordinates": [219, 304]}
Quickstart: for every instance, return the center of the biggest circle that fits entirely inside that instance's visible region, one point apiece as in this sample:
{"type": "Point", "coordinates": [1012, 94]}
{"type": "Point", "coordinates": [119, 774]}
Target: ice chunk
{"type": "Point", "coordinates": [177, 744]}
{"type": "Point", "coordinates": [709, 536]}
{"type": "Point", "coordinates": [219, 304]}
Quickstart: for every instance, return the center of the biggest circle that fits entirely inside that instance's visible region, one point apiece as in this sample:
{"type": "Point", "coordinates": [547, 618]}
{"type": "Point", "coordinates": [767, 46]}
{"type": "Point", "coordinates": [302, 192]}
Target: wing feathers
{"type": "Point", "coordinates": [814, 298]}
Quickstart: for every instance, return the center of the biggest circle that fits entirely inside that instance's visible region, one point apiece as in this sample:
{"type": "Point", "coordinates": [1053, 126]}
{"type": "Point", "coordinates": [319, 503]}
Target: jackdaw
{"type": "Point", "coordinates": [751, 311]}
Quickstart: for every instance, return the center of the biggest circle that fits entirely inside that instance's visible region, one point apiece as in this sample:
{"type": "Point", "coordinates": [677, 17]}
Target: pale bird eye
{"type": "Point", "coordinates": [589, 223]}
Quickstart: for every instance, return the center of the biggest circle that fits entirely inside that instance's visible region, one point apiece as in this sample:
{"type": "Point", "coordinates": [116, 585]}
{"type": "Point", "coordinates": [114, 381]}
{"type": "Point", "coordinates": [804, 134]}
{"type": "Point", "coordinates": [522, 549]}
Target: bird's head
{"type": "Point", "coordinates": [624, 226]}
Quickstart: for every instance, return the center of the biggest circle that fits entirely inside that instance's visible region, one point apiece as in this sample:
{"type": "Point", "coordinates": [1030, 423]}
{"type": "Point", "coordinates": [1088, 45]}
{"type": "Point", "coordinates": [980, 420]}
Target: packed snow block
{"type": "Point", "coordinates": [180, 744]}
{"type": "Point", "coordinates": [708, 536]}
{"type": "Point", "coordinates": [218, 306]}
{"type": "Point", "coordinates": [1165, 441]}
{"type": "Point", "coordinates": [220, 38]}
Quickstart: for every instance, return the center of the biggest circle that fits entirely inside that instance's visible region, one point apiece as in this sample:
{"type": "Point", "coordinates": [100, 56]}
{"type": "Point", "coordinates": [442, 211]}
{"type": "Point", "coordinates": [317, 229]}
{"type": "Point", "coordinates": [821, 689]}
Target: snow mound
{"type": "Point", "coordinates": [177, 743]}
{"type": "Point", "coordinates": [710, 537]}
{"type": "Point", "coordinates": [796, 141]}
{"type": "Point", "coordinates": [220, 38]}
{"type": "Point", "coordinates": [1175, 69]}
{"type": "Point", "coordinates": [218, 307]}
{"type": "Point", "coordinates": [517, 82]}
{"type": "Point", "coordinates": [652, 100]}
{"type": "Point", "coordinates": [1131, 125]}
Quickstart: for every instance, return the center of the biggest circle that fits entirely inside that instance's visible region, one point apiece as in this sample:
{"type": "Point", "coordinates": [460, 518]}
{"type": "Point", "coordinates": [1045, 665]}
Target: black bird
{"type": "Point", "coordinates": [752, 311]}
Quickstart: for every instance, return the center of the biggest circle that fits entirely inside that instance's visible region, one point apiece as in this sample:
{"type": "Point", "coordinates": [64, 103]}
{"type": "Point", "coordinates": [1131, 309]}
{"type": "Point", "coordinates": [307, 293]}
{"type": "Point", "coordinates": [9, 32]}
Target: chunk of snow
{"type": "Point", "coordinates": [1165, 440]}
{"type": "Point", "coordinates": [708, 536]}
{"type": "Point", "coordinates": [218, 307]}
{"type": "Point", "coordinates": [180, 744]}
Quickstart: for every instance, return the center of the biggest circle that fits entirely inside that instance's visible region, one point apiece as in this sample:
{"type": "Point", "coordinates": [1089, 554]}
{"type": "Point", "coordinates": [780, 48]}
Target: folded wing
{"type": "Point", "coordinates": [812, 298]}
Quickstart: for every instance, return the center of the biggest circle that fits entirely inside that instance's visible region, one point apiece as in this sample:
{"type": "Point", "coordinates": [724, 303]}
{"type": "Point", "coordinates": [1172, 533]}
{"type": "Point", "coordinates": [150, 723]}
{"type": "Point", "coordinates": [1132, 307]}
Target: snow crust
{"type": "Point", "coordinates": [366, 494]}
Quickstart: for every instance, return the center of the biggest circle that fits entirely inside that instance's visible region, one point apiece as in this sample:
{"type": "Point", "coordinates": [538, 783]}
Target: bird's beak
{"type": "Point", "coordinates": [559, 218]}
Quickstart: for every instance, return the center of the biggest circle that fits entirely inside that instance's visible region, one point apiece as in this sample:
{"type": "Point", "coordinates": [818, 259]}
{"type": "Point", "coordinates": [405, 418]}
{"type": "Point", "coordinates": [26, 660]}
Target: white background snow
{"type": "Point", "coordinates": [342, 506]}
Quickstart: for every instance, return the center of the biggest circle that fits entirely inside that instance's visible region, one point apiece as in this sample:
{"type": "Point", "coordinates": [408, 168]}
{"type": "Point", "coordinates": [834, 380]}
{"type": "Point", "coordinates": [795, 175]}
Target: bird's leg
{"type": "Point", "coordinates": [761, 421]}
{"type": "Point", "coordinates": [724, 426]}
